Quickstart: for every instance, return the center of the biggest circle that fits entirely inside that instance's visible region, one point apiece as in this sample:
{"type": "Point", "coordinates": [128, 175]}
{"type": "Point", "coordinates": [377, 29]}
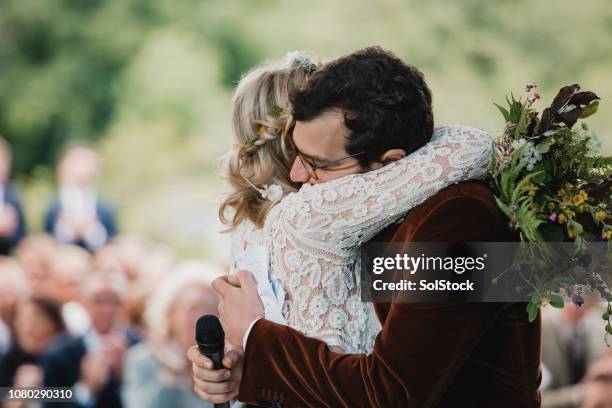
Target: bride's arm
{"type": "Point", "coordinates": [343, 213]}
{"type": "Point", "coordinates": [313, 234]}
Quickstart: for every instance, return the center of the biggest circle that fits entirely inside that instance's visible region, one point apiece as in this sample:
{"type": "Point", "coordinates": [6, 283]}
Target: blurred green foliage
{"type": "Point", "coordinates": [62, 61]}
{"type": "Point", "coordinates": [150, 80]}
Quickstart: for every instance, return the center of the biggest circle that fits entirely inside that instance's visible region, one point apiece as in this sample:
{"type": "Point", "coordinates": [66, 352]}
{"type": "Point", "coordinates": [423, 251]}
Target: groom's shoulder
{"type": "Point", "coordinates": [464, 211]}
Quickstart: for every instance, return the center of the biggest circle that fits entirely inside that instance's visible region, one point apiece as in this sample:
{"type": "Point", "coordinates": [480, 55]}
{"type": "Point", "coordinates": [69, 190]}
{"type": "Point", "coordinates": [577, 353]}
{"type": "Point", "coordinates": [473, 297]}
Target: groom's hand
{"type": "Point", "coordinates": [216, 386]}
{"type": "Point", "coordinates": [239, 306]}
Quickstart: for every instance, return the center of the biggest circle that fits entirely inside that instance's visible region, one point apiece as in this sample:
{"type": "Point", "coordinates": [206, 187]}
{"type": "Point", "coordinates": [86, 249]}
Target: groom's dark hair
{"type": "Point", "coordinates": [386, 102]}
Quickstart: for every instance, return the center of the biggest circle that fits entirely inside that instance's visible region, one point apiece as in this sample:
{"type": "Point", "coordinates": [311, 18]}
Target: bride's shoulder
{"type": "Point", "coordinates": [244, 229]}
{"type": "Point", "coordinates": [452, 130]}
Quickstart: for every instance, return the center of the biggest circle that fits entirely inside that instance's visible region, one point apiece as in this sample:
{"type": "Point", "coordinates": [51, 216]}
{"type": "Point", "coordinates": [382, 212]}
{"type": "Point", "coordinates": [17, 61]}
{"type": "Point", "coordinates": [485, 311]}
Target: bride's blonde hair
{"type": "Point", "coordinates": [263, 154]}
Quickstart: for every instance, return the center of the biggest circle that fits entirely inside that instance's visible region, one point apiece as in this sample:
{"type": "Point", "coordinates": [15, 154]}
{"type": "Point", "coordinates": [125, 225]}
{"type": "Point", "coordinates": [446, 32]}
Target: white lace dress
{"type": "Point", "coordinates": [312, 237]}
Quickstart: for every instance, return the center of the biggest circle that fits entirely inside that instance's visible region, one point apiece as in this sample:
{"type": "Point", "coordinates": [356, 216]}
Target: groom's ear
{"type": "Point", "coordinates": [392, 155]}
{"type": "Point", "coordinates": [388, 157]}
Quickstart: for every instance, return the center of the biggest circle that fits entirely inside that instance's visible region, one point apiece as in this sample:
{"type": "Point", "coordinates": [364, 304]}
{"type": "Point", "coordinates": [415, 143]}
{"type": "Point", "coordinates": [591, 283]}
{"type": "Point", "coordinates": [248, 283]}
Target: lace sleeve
{"type": "Point", "coordinates": [314, 234]}
{"type": "Point", "coordinates": [341, 214]}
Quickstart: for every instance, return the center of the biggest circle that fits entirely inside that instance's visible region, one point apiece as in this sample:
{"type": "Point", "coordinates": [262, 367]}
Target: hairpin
{"type": "Point", "coordinates": [272, 192]}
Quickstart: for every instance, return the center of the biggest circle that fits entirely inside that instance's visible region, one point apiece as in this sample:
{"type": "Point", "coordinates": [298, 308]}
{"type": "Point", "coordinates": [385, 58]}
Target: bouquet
{"type": "Point", "coordinates": [553, 185]}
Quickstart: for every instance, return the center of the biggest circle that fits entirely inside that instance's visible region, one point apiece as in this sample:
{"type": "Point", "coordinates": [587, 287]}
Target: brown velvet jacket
{"type": "Point", "coordinates": [427, 355]}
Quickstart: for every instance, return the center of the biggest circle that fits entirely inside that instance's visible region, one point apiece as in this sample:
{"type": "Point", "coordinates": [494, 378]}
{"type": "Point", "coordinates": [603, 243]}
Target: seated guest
{"type": "Point", "coordinates": [572, 340]}
{"type": "Point", "coordinates": [12, 223]}
{"type": "Point", "coordinates": [157, 372]}
{"type": "Point", "coordinates": [70, 266]}
{"type": "Point", "coordinates": [78, 216]}
{"type": "Point", "coordinates": [38, 326]}
{"type": "Point", "coordinates": [13, 287]}
{"type": "Point", "coordinates": [34, 254]}
{"type": "Point", "coordinates": [92, 364]}
{"type": "Point", "coordinates": [597, 385]}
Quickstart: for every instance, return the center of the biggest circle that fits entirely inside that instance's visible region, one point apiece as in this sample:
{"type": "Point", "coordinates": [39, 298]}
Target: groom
{"type": "Point", "coordinates": [356, 114]}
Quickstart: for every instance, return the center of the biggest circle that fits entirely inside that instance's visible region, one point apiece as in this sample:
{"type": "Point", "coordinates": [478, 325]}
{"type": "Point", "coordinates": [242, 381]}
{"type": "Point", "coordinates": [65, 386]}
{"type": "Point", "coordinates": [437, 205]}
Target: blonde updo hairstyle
{"type": "Point", "coordinates": [263, 154]}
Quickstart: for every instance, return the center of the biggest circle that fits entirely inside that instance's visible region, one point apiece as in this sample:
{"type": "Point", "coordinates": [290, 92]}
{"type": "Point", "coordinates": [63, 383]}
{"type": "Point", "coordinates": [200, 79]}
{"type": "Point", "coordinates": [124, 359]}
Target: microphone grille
{"type": "Point", "coordinates": [209, 330]}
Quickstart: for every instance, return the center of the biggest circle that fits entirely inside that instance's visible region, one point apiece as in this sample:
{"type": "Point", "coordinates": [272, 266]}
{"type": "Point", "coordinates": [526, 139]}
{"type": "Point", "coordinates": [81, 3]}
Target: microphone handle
{"type": "Point", "coordinates": [216, 359]}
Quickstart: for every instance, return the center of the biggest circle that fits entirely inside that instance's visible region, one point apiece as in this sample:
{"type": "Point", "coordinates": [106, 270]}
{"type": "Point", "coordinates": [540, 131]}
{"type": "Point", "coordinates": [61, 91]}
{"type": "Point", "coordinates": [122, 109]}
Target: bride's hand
{"type": "Point", "coordinates": [239, 306]}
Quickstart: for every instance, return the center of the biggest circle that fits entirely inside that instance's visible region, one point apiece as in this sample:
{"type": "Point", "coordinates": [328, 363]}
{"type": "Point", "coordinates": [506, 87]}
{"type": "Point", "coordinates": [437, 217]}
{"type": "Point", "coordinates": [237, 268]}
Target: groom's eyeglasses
{"type": "Point", "coordinates": [312, 168]}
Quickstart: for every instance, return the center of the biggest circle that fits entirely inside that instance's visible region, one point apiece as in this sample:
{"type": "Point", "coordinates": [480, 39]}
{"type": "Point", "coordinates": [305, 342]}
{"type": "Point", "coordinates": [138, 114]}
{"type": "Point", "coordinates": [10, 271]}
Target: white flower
{"type": "Point", "coordinates": [517, 144]}
{"type": "Point", "coordinates": [272, 193]}
{"type": "Point", "coordinates": [292, 56]}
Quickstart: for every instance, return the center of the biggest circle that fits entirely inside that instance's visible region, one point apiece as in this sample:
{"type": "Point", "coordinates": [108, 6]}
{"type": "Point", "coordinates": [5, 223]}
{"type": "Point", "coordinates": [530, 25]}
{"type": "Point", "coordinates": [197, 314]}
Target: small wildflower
{"type": "Point", "coordinates": [513, 222]}
{"type": "Point", "coordinates": [580, 198]}
{"type": "Point", "coordinates": [533, 99]}
{"type": "Point", "coordinates": [532, 189]}
{"type": "Point", "coordinates": [530, 86]}
{"type": "Point", "coordinates": [562, 218]}
{"type": "Point", "coordinates": [553, 217]}
{"type": "Point", "coordinates": [607, 234]}
{"type": "Point", "coordinates": [600, 216]}
{"type": "Point", "coordinates": [571, 233]}
{"type": "Point", "coordinates": [569, 213]}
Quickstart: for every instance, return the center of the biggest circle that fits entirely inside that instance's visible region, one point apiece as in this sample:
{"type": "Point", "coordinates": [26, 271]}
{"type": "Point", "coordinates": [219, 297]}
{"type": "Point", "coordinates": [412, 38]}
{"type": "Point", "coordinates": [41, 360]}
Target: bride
{"type": "Point", "coordinates": [302, 242]}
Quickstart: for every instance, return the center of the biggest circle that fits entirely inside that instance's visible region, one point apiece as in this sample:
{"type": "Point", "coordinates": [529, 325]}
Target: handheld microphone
{"type": "Point", "coordinates": [210, 338]}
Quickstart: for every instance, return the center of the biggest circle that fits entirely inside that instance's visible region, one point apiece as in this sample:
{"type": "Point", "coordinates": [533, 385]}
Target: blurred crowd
{"type": "Point", "coordinates": [109, 316]}
{"type": "Point", "coordinates": [576, 361]}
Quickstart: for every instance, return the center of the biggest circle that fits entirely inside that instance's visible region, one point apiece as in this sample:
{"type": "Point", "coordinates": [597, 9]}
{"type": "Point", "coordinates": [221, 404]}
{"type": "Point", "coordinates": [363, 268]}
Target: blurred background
{"type": "Point", "coordinates": [148, 82]}
{"type": "Point", "coordinates": [135, 94]}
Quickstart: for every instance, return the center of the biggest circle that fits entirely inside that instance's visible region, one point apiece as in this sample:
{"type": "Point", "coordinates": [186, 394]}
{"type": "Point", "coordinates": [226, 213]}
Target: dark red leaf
{"type": "Point", "coordinates": [599, 191]}
{"type": "Point", "coordinates": [583, 98]}
{"type": "Point", "coordinates": [545, 121]}
{"type": "Point", "coordinates": [570, 118]}
{"type": "Point", "coordinates": [563, 97]}
{"type": "Point", "coordinates": [532, 121]}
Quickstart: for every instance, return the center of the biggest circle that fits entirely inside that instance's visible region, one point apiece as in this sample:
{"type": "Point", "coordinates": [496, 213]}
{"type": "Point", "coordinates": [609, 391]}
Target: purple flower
{"type": "Point", "coordinates": [553, 217]}
{"type": "Point", "coordinates": [531, 86]}
{"type": "Point", "coordinates": [534, 98]}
